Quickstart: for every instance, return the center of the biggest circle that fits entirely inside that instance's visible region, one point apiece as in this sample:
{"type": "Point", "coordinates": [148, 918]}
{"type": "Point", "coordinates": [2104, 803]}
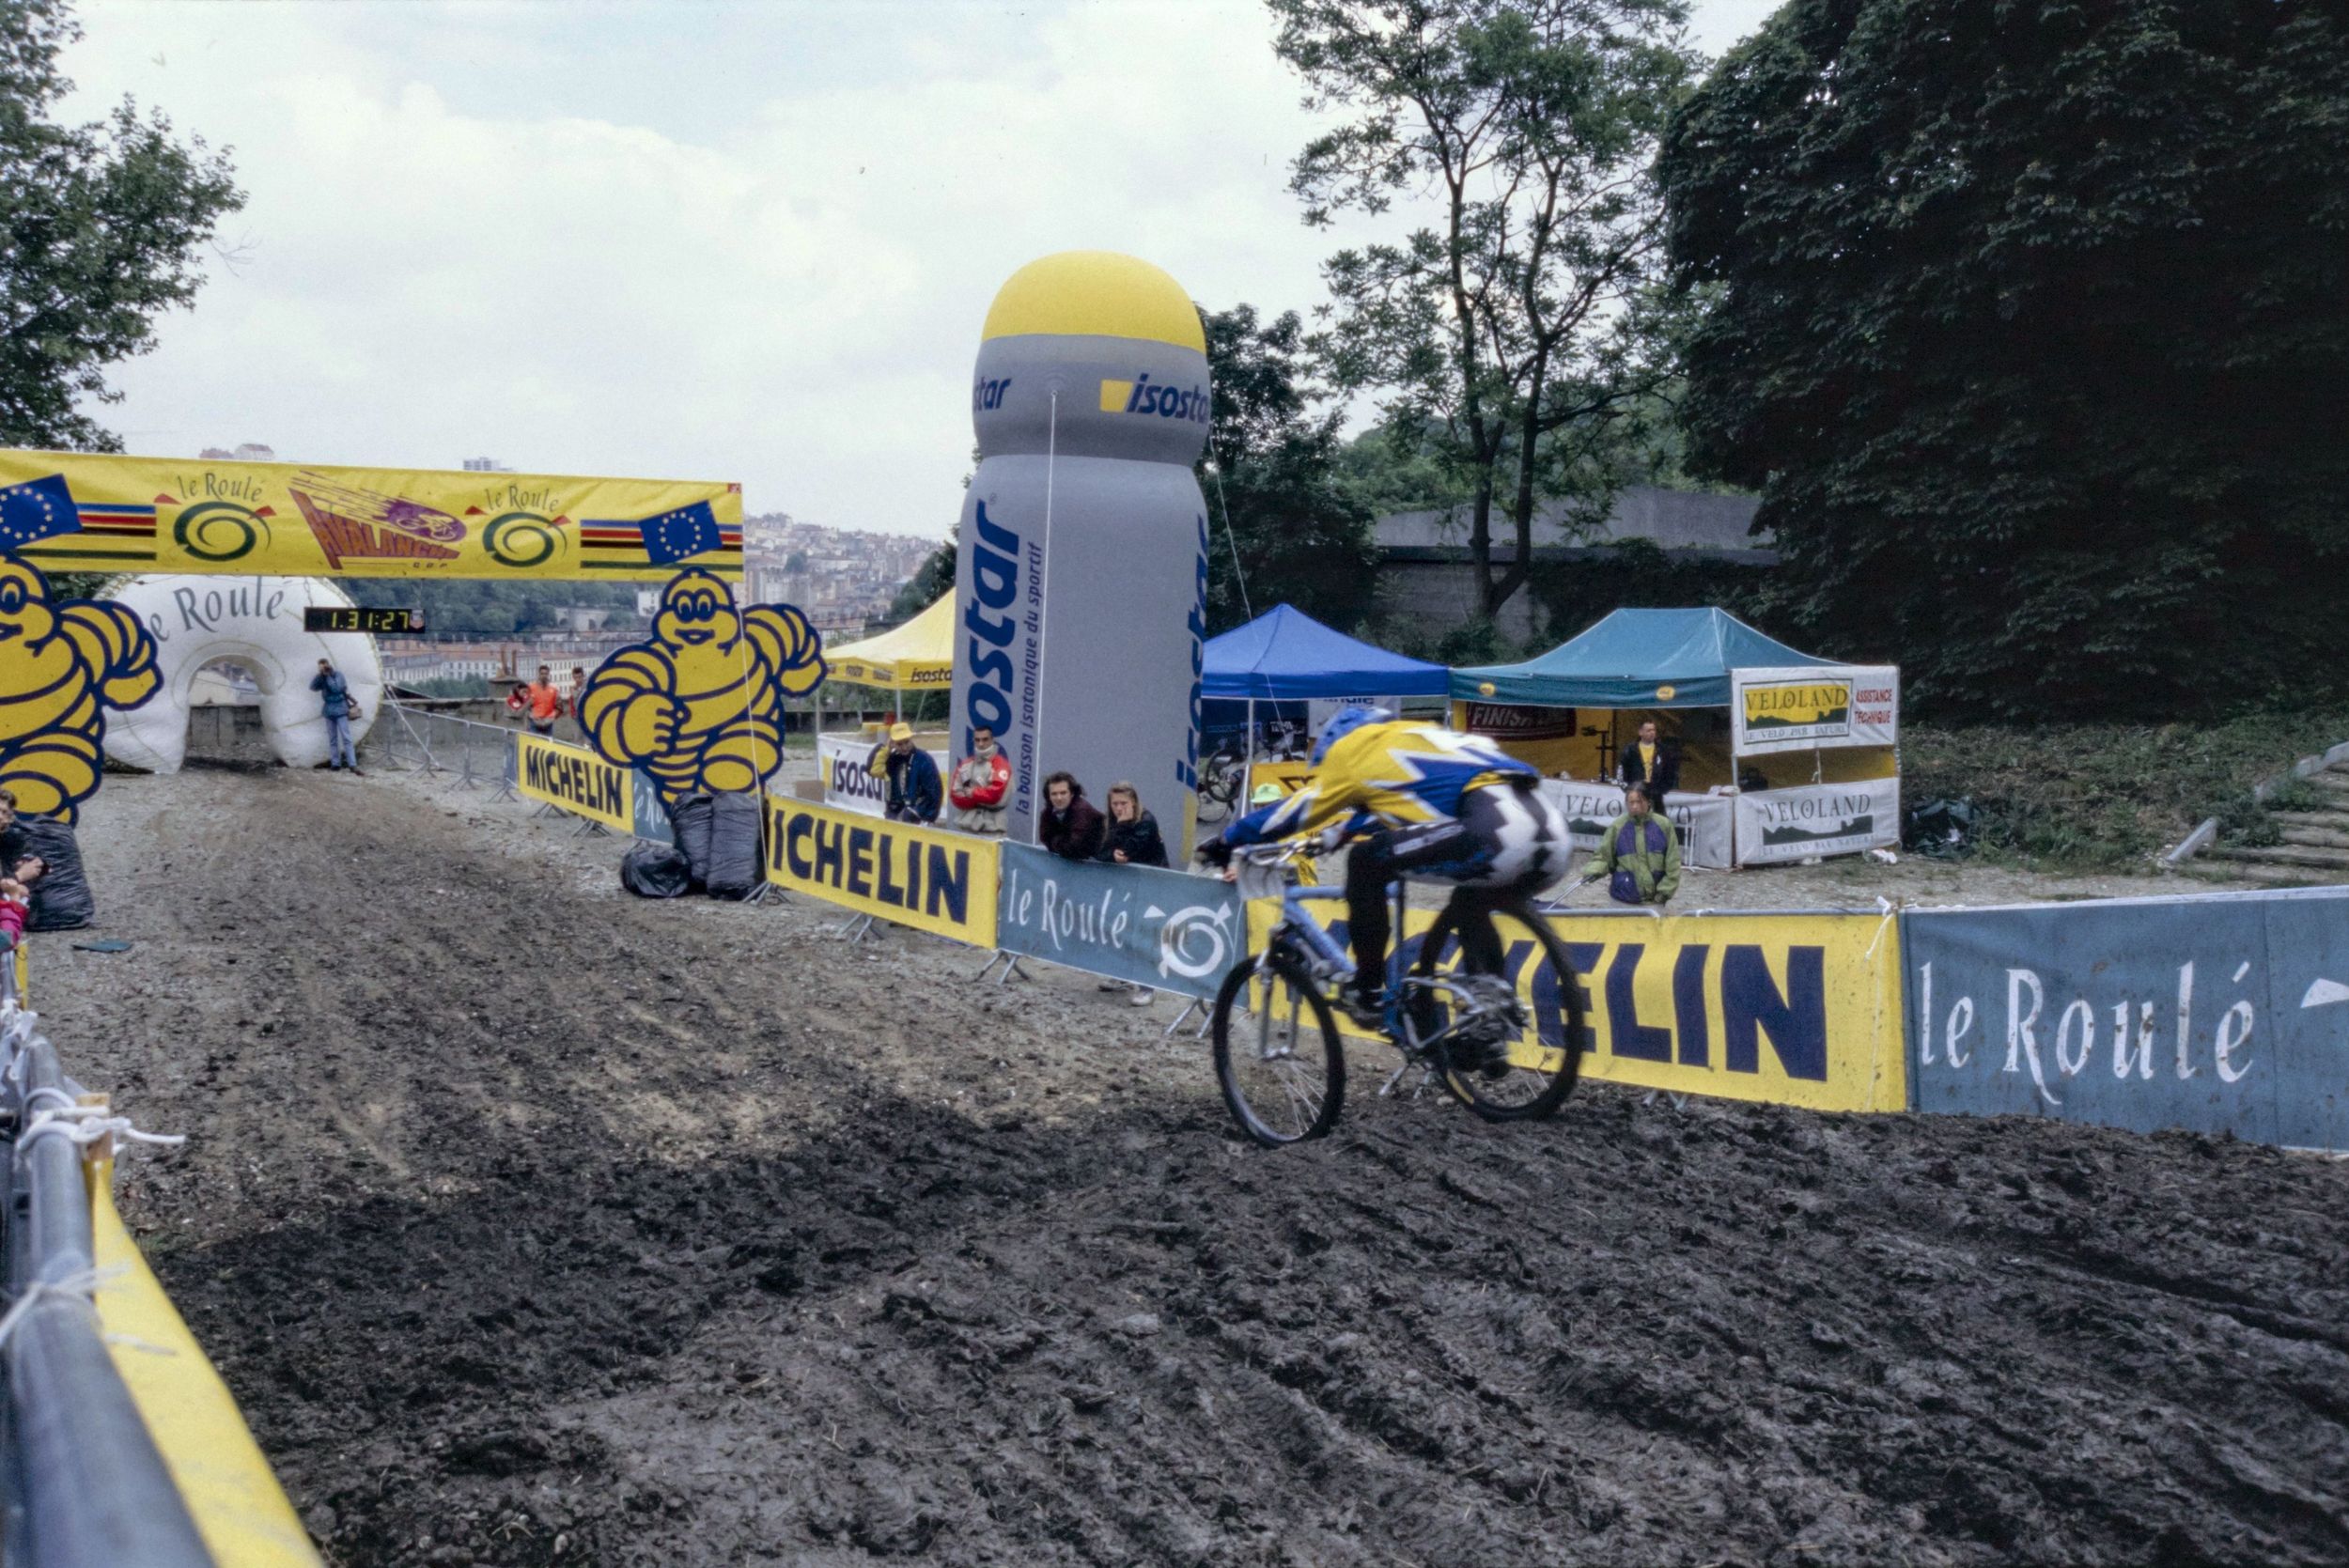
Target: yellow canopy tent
{"type": "Point", "coordinates": [918, 655]}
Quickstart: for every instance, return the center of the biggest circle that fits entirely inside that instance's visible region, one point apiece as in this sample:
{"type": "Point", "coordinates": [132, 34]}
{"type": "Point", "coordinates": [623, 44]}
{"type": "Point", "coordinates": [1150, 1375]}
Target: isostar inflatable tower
{"type": "Point", "coordinates": [1081, 580]}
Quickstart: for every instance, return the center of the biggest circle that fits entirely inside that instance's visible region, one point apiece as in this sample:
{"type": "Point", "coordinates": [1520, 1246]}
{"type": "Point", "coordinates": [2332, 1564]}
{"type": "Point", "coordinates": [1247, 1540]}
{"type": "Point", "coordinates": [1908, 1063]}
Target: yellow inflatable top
{"type": "Point", "coordinates": [1096, 293]}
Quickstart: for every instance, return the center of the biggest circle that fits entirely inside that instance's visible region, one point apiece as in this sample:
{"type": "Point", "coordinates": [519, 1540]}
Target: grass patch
{"type": "Point", "coordinates": [2110, 797]}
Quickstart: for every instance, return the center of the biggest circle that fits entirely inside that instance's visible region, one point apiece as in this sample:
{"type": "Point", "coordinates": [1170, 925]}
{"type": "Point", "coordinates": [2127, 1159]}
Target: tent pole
{"type": "Point", "coordinates": [1248, 770]}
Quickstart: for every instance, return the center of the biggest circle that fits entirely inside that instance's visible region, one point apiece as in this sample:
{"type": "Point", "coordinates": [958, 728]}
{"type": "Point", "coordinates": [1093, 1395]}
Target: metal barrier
{"type": "Point", "coordinates": [86, 1486]}
{"type": "Point", "coordinates": [472, 753]}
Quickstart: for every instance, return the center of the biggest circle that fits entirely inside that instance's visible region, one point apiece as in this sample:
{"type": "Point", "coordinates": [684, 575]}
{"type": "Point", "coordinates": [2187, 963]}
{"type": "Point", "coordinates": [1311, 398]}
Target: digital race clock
{"type": "Point", "coordinates": [360, 618]}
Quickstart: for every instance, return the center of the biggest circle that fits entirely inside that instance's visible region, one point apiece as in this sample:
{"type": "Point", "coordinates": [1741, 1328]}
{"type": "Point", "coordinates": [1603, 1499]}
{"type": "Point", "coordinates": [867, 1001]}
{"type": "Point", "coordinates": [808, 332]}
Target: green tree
{"type": "Point", "coordinates": [1514, 338]}
{"type": "Point", "coordinates": [2033, 328]}
{"type": "Point", "coordinates": [1284, 528]}
{"type": "Point", "coordinates": [101, 226]}
{"type": "Point", "coordinates": [935, 580]}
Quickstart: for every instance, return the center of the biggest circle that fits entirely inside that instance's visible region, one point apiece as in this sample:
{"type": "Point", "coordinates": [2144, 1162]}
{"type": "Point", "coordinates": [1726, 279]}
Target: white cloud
{"type": "Point", "coordinates": [745, 242]}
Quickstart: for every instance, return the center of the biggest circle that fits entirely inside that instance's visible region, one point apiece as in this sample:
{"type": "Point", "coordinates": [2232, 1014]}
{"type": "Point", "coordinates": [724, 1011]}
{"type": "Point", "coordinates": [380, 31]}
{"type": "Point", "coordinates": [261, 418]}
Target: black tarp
{"type": "Point", "coordinates": [61, 899]}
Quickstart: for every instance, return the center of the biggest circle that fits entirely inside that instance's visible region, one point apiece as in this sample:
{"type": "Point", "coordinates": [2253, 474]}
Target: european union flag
{"type": "Point", "coordinates": [40, 507]}
{"type": "Point", "coordinates": [674, 536]}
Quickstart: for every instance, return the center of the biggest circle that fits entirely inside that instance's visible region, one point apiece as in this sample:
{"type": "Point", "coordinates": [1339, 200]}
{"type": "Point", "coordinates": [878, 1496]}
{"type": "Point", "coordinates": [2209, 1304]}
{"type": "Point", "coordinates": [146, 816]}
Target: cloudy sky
{"type": "Point", "coordinates": [688, 238]}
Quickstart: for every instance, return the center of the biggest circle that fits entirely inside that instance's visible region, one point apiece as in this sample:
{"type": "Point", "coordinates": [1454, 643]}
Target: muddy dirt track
{"type": "Point", "coordinates": [532, 1224]}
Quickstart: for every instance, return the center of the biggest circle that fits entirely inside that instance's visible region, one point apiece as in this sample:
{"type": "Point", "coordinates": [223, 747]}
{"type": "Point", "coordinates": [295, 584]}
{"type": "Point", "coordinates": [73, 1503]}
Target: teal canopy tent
{"type": "Point", "coordinates": [1635, 659]}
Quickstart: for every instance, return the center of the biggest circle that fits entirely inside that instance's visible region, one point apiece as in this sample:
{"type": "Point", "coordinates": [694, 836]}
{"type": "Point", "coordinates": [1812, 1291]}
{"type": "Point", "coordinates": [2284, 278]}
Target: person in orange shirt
{"type": "Point", "coordinates": [542, 703]}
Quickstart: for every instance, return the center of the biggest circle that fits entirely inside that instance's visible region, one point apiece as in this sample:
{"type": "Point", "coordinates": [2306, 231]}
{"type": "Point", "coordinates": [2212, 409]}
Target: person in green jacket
{"type": "Point", "coordinates": [1640, 857]}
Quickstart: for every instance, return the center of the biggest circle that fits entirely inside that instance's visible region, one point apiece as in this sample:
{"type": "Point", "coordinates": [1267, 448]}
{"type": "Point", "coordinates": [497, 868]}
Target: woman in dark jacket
{"type": "Point", "coordinates": [1132, 834]}
{"type": "Point", "coordinates": [1071, 827]}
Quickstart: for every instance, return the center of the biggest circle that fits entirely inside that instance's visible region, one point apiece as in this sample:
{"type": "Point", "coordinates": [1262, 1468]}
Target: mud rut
{"type": "Point", "coordinates": [532, 1225]}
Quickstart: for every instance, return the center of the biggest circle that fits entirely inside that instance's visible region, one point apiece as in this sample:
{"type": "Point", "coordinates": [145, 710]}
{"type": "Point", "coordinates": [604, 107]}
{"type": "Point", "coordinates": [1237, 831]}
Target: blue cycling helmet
{"type": "Point", "coordinates": [1344, 722]}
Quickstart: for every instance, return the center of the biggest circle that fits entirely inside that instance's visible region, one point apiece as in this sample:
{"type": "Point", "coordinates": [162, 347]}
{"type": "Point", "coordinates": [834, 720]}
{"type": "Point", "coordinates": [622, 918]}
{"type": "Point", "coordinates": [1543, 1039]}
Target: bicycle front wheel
{"type": "Point", "coordinates": [1277, 1053]}
{"type": "Point", "coordinates": [1542, 1065]}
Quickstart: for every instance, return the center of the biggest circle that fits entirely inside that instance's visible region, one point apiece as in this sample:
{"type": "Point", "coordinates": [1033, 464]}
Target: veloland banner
{"type": "Point", "coordinates": [1136, 922]}
{"type": "Point", "coordinates": [1802, 708]}
{"type": "Point", "coordinates": [1799, 1010]}
{"type": "Point", "coordinates": [924, 877]}
{"type": "Point", "coordinates": [1704, 821]}
{"type": "Point", "coordinates": [576, 780]}
{"type": "Point", "coordinates": [2227, 1013]}
{"type": "Point", "coordinates": [73, 511]}
{"type": "Point", "coordinates": [1817, 819]}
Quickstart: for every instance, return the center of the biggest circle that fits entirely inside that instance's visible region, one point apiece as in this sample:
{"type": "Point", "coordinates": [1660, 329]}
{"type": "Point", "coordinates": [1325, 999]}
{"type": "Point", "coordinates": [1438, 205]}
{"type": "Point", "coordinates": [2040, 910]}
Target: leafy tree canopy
{"type": "Point", "coordinates": [1513, 335]}
{"type": "Point", "coordinates": [1300, 535]}
{"type": "Point", "coordinates": [2032, 331]}
{"type": "Point", "coordinates": [99, 230]}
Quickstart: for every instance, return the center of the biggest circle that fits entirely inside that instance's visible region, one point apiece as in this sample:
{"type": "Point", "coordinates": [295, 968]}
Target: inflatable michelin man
{"type": "Point", "coordinates": [699, 705]}
{"type": "Point", "coordinates": [61, 665]}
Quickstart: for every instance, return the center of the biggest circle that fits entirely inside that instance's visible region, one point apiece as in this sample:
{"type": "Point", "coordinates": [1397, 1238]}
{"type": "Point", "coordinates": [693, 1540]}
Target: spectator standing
{"type": "Point", "coordinates": [571, 698]}
{"type": "Point", "coordinates": [981, 779]}
{"type": "Point", "coordinates": [340, 710]}
{"type": "Point", "coordinates": [1071, 826]}
{"type": "Point", "coordinates": [915, 792]}
{"type": "Point", "coordinates": [1647, 761]}
{"type": "Point", "coordinates": [542, 705]}
{"type": "Point", "coordinates": [1130, 837]}
{"type": "Point", "coordinates": [1640, 857]}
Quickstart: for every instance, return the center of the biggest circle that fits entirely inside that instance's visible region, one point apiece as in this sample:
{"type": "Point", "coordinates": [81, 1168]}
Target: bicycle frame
{"type": "Point", "coordinates": [1335, 964]}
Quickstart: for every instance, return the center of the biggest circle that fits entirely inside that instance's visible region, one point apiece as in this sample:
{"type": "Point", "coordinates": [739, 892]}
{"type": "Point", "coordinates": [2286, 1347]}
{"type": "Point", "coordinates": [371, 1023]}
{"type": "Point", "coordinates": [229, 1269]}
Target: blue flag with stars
{"type": "Point", "coordinates": [674, 536]}
{"type": "Point", "coordinates": [40, 507]}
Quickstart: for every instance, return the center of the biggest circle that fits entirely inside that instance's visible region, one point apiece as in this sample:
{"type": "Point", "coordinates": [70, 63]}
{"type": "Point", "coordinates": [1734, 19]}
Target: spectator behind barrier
{"type": "Point", "coordinates": [915, 792]}
{"type": "Point", "coordinates": [981, 780]}
{"type": "Point", "coordinates": [16, 900]}
{"type": "Point", "coordinates": [1650, 760]}
{"type": "Point", "coordinates": [335, 704]}
{"type": "Point", "coordinates": [1130, 837]}
{"type": "Point", "coordinates": [1640, 857]}
{"type": "Point", "coordinates": [542, 703]}
{"type": "Point", "coordinates": [1070, 828]}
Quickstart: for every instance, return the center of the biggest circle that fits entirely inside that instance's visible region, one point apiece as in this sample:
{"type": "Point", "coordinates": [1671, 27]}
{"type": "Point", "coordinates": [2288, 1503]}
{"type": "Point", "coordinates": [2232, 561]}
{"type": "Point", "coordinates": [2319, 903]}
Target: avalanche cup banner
{"type": "Point", "coordinates": [1817, 819]}
{"type": "Point", "coordinates": [1141, 923]}
{"type": "Point", "coordinates": [70, 511]}
{"type": "Point", "coordinates": [576, 780]}
{"type": "Point", "coordinates": [924, 877]}
{"type": "Point", "coordinates": [1799, 1010]}
{"type": "Point", "coordinates": [1704, 821]}
{"type": "Point", "coordinates": [2223, 1014]}
{"type": "Point", "coordinates": [1806, 706]}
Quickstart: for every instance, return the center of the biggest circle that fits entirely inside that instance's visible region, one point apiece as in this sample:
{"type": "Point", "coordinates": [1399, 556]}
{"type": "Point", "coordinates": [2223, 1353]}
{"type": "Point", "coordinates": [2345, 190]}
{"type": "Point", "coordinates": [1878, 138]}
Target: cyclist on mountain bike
{"type": "Point", "coordinates": [1419, 801]}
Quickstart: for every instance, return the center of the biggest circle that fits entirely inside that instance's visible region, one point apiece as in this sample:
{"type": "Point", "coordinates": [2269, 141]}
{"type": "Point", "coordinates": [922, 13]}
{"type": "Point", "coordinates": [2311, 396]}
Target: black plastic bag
{"type": "Point", "coordinates": [1939, 829]}
{"type": "Point", "coordinates": [733, 869]}
{"type": "Point", "coordinates": [61, 899]}
{"type": "Point", "coordinates": [656, 870]}
{"type": "Point", "coordinates": [692, 820]}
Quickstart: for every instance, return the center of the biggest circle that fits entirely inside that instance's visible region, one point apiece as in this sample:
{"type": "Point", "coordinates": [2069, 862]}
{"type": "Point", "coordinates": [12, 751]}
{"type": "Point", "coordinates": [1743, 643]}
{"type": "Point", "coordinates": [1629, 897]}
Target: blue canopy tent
{"type": "Point", "coordinates": [1635, 659]}
{"type": "Point", "coordinates": [1285, 655]}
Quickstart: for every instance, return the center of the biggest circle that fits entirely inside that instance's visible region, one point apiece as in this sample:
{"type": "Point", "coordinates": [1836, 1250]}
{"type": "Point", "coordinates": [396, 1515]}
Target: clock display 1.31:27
{"type": "Point", "coordinates": [360, 618]}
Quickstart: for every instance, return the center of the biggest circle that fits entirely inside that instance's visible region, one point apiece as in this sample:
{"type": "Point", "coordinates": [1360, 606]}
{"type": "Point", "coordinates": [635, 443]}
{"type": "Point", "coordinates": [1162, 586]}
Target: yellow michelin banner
{"type": "Point", "coordinates": [69, 511]}
{"type": "Point", "coordinates": [576, 780]}
{"type": "Point", "coordinates": [926, 877]}
{"type": "Point", "coordinates": [1794, 1009]}
{"type": "Point", "coordinates": [237, 1506]}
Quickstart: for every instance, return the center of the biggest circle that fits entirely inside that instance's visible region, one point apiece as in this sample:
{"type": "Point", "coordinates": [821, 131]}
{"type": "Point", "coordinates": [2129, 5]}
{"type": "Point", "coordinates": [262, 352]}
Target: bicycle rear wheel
{"type": "Point", "coordinates": [1543, 1064]}
{"type": "Point", "coordinates": [1277, 1053]}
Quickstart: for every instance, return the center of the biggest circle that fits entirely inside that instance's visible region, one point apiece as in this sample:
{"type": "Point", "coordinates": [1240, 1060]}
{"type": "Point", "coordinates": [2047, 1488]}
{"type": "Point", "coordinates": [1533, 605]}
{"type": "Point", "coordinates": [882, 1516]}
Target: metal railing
{"type": "Point", "coordinates": [87, 1487]}
{"type": "Point", "coordinates": [471, 752]}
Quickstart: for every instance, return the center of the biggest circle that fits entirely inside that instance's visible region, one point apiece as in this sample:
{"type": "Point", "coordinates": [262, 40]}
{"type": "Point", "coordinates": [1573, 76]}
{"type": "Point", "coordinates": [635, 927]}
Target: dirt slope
{"type": "Point", "coordinates": [533, 1224]}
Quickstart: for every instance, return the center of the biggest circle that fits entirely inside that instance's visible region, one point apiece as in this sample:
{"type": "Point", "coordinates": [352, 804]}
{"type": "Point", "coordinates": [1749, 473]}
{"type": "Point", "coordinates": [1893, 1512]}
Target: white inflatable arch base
{"type": "Point", "coordinates": [254, 622]}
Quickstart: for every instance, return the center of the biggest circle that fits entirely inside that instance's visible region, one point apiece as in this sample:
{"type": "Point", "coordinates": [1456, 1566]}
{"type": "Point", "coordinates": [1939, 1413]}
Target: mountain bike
{"type": "Point", "coordinates": [1223, 773]}
{"type": "Point", "coordinates": [1278, 1053]}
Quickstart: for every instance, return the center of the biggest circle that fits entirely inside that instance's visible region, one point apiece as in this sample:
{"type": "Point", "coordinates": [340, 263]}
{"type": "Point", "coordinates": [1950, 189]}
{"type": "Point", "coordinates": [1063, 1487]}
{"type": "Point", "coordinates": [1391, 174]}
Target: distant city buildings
{"type": "Point", "coordinates": [485, 465]}
{"type": "Point", "coordinates": [247, 451]}
{"type": "Point", "coordinates": [842, 578]}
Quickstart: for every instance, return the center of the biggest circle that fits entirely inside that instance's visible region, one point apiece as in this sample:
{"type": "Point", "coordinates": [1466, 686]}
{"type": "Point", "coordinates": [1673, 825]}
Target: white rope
{"type": "Point", "coordinates": [78, 1287]}
{"type": "Point", "coordinates": [64, 1100]}
{"type": "Point", "coordinates": [85, 1124]}
{"type": "Point", "coordinates": [1890, 912]}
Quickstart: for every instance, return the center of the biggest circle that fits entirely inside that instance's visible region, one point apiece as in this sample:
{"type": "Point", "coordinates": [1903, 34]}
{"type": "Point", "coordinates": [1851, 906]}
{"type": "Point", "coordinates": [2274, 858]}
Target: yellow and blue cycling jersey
{"type": "Point", "coordinates": [1399, 772]}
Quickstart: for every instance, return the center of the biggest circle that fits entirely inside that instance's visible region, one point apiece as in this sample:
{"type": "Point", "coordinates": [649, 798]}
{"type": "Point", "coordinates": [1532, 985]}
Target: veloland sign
{"type": "Point", "coordinates": [1803, 707]}
{"type": "Point", "coordinates": [924, 877]}
{"type": "Point", "coordinates": [1790, 1009]}
{"type": "Point", "coordinates": [576, 780]}
{"type": "Point", "coordinates": [1817, 819]}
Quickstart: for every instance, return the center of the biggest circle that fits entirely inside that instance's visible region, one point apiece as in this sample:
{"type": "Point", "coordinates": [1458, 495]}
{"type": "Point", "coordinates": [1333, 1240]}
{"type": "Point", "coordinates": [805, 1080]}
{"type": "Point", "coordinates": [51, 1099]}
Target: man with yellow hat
{"type": "Point", "coordinates": [915, 790]}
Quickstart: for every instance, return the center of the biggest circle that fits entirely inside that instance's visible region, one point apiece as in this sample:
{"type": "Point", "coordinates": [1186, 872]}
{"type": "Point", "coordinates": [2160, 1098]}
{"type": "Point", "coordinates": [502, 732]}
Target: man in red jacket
{"type": "Point", "coordinates": [980, 782]}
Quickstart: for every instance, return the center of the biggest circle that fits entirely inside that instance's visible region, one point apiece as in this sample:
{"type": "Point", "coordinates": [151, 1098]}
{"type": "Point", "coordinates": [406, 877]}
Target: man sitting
{"type": "Point", "coordinates": [16, 900]}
